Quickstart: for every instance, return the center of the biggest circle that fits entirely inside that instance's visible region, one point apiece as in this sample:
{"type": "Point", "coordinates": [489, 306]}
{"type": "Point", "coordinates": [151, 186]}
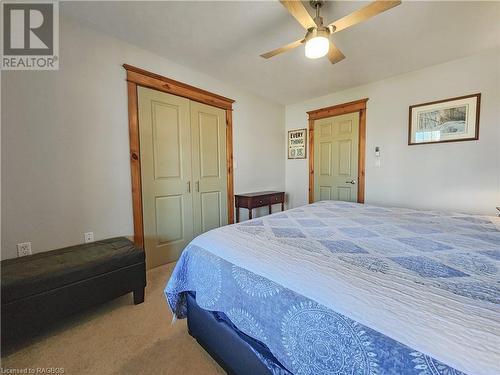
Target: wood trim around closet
{"type": "Point", "coordinates": [140, 77]}
{"type": "Point", "coordinates": [337, 110]}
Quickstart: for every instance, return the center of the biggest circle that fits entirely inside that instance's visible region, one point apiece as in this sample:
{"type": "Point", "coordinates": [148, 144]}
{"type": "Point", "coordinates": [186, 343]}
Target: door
{"type": "Point", "coordinates": [165, 151]}
{"type": "Point", "coordinates": [336, 142]}
{"type": "Point", "coordinates": [208, 131]}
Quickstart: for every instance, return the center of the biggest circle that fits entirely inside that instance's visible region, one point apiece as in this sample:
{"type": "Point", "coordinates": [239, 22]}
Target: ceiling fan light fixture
{"type": "Point", "coordinates": [317, 47]}
{"type": "Point", "coordinates": [317, 42]}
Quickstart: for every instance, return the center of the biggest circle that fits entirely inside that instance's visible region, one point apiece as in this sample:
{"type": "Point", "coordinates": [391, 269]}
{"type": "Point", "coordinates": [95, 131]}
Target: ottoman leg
{"type": "Point", "coordinates": [138, 296]}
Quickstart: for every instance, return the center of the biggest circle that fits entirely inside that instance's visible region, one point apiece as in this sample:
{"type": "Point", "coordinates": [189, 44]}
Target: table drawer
{"type": "Point", "coordinates": [260, 201]}
{"type": "Point", "coordinates": [276, 198]}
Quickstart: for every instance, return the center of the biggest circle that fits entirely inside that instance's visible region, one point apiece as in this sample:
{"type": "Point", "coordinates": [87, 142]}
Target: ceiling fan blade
{"type": "Point", "coordinates": [297, 9]}
{"type": "Point", "coordinates": [286, 48]}
{"type": "Point", "coordinates": [363, 14]}
{"type": "Point", "coordinates": [334, 54]}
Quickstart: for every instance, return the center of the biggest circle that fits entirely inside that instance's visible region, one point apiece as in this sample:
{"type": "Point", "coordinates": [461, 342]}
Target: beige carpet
{"type": "Point", "coordinates": [120, 338]}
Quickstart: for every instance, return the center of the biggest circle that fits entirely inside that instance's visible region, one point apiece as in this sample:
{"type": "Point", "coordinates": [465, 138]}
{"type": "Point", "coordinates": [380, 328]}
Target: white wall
{"type": "Point", "coordinates": [64, 141]}
{"type": "Point", "coordinates": [65, 163]}
{"type": "Point", "coordinates": [461, 176]}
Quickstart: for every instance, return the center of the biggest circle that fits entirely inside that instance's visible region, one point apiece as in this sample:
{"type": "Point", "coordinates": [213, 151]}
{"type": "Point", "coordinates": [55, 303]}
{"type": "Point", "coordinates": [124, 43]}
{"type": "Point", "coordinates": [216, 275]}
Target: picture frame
{"type": "Point", "coordinates": [297, 144]}
{"type": "Point", "coordinates": [448, 120]}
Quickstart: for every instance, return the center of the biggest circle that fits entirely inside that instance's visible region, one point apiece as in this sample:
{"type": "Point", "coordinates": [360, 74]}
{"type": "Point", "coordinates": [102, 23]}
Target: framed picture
{"type": "Point", "coordinates": [297, 144]}
{"type": "Point", "coordinates": [449, 120]}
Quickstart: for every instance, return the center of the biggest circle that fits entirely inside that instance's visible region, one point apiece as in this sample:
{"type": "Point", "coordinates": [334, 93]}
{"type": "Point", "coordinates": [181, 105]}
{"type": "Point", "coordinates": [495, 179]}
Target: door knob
{"type": "Point", "coordinates": [353, 182]}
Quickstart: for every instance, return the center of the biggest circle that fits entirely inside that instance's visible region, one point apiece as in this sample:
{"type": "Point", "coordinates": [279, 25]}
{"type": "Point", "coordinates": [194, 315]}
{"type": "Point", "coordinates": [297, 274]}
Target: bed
{"type": "Point", "coordinates": [344, 288]}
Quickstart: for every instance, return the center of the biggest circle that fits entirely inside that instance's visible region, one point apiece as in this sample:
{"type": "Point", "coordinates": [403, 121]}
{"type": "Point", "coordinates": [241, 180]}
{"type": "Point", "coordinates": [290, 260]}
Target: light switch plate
{"type": "Point", "coordinates": [23, 249]}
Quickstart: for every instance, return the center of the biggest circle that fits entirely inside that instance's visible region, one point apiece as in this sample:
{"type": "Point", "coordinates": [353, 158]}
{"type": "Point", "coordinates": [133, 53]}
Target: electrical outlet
{"type": "Point", "coordinates": [23, 249]}
{"type": "Point", "coordinates": [88, 237]}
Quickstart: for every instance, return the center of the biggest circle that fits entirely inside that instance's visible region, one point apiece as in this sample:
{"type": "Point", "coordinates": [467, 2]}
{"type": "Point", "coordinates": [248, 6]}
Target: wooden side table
{"type": "Point", "coordinates": [258, 199]}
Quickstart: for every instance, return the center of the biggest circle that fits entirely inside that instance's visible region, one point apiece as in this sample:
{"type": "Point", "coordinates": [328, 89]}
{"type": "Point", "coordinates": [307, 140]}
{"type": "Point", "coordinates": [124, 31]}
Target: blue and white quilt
{"type": "Point", "coordinates": [343, 288]}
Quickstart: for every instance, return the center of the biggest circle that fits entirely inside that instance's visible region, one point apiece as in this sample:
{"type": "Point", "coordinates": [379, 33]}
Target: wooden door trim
{"type": "Point", "coordinates": [337, 110]}
{"type": "Point", "coordinates": [155, 81]}
{"type": "Point", "coordinates": [140, 77]}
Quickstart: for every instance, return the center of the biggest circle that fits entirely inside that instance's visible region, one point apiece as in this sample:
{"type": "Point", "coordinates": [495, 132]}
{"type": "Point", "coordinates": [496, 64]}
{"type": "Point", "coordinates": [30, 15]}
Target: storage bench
{"type": "Point", "coordinates": [43, 288]}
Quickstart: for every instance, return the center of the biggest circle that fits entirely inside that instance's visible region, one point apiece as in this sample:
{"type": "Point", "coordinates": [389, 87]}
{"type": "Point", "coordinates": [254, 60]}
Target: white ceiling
{"type": "Point", "coordinates": [224, 40]}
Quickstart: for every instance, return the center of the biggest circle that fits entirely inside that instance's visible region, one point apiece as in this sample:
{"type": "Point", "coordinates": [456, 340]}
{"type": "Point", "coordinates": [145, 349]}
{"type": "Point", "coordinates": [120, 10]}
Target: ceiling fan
{"type": "Point", "coordinates": [317, 39]}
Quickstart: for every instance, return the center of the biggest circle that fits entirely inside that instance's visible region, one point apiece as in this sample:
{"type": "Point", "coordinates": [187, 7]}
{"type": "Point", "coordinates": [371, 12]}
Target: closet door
{"type": "Point", "coordinates": [208, 132]}
{"type": "Point", "coordinates": [165, 149]}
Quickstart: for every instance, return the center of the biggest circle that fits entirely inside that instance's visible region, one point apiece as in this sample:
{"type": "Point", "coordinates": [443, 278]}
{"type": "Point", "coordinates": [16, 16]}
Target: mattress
{"type": "Point", "coordinates": [336, 287]}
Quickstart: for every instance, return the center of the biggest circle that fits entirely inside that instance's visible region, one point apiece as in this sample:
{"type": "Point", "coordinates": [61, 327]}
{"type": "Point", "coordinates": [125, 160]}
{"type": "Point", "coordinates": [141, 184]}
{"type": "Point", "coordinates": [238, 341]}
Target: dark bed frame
{"type": "Point", "coordinates": [234, 351]}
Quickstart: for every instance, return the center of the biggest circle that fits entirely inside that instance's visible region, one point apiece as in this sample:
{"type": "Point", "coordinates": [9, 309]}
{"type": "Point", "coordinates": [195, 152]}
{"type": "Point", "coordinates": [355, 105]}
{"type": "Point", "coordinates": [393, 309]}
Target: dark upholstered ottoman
{"type": "Point", "coordinates": [43, 288]}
